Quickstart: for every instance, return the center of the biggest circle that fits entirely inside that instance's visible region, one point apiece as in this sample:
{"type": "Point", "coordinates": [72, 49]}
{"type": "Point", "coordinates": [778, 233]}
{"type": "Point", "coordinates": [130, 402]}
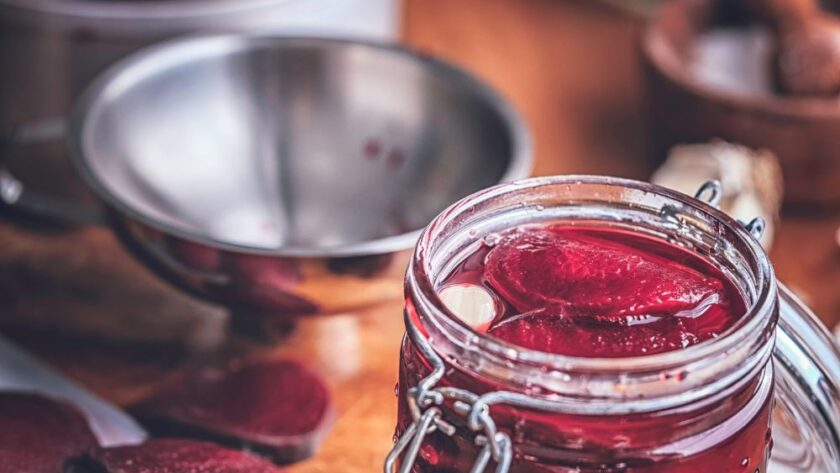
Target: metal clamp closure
{"type": "Point", "coordinates": [425, 401]}
{"type": "Point", "coordinates": [711, 193]}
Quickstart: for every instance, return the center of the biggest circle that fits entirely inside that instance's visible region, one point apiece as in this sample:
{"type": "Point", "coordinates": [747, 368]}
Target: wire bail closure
{"type": "Point", "coordinates": [711, 193]}
{"type": "Point", "coordinates": [425, 400]}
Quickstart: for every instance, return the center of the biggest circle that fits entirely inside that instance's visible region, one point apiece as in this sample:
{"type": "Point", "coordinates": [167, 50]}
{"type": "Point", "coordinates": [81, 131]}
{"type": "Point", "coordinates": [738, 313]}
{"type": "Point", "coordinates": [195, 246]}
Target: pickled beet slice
{"type": "Point", "coordinates": [562, 267]}
{"type": "Point", "coordinates": [277, 408]}
{"type": "Point", "coordinates": [595, 337]}
{"type": "Point", "coordinates": [38, 434]}
{"type": "Point", "coordinates": [169, 456]}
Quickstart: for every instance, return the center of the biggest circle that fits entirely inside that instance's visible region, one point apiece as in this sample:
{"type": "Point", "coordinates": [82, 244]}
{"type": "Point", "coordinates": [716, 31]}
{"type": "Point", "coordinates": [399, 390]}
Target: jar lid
{"type": "Point", "coordinates": [806, 419]}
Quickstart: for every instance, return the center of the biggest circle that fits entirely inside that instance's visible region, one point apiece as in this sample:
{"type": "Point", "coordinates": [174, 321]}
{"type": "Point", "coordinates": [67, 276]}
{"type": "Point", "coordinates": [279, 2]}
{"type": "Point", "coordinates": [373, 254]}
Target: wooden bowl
{"type": "Point", "coordinates": [803, 132]}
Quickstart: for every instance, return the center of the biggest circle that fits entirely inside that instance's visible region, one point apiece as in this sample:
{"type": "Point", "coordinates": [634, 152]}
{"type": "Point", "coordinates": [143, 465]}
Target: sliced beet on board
{"type": "Point", "coordinates": [38, 434]}
{"type": "Point", "coordinates": [169, 456]}
{"type": "Point", "coordinates": [276, 408]}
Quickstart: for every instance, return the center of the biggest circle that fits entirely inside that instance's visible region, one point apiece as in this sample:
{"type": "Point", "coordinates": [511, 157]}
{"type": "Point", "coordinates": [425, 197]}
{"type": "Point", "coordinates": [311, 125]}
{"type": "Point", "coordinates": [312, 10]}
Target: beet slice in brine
{"type": "Point", "coordinates": [276, 408]}
{"type": "Point", "coordinates": [169, 456]}
{"type": "Point", "coordinates": [537, 268]}
{"type": "Point", "coordinates": [604, 292]}
{"type": "Point", "coordinates": [37, 434]}
{"type": "Point", "coordinates": [555, 332]}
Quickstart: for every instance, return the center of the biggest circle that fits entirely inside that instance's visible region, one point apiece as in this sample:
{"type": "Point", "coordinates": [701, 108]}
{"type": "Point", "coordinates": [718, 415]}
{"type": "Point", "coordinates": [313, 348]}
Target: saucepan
{"type": "Point", "coordinates": [74, 40]}
{"type": "Point", "coordinates": [281, 176]}
{"type": "Point", "coordinates": [50, 50]}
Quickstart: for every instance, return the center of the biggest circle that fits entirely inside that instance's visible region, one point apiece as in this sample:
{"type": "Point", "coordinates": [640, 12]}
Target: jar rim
{"type": "Point", "coordinates": [758, 320]}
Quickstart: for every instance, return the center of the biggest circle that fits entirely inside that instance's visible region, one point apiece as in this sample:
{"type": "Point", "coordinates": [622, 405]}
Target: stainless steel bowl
{"type": "Point", "coordinates": [282, 175]}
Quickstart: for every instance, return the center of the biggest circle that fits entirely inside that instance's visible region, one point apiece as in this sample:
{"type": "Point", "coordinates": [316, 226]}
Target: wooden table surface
{"type": "Point", "coordinates": [569, 66]}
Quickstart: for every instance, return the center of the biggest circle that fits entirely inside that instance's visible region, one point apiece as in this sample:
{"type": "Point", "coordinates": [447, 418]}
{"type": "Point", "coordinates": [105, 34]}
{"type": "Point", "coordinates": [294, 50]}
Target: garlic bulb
{"type": "Point", "coordinates": [751, 181]}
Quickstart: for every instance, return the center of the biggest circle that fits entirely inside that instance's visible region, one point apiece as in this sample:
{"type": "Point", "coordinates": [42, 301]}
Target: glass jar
{"type": "Point", "coordinates": [468, 400]}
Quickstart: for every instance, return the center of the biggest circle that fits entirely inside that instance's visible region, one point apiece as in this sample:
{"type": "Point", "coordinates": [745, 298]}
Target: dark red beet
{"type": "Point", "coordinates": [563, 267]}
{"type": "Point", "coordinates": [169, 456]}
{"type": "Point", "coordinates": [37, 434]}
{"type": "Point", "coordinates": [591, 337]}
{"type": "Point", "coordinates": [277, 408]}
{"type": "Point", "coordinates": [600, 292]}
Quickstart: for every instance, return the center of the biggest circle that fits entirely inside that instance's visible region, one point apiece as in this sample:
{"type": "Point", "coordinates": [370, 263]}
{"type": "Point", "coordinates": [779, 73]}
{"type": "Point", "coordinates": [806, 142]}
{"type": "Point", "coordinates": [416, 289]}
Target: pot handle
{"type": "Point", "coordinates": [16, 195]}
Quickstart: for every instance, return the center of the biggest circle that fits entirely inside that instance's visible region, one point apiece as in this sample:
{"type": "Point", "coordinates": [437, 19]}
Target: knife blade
{"type": "Point", "coordinates": [21, 372]}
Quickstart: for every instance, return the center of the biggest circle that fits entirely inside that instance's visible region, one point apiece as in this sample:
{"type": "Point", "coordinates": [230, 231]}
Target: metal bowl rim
{"type": "Point", "coordinates": [93, 99]}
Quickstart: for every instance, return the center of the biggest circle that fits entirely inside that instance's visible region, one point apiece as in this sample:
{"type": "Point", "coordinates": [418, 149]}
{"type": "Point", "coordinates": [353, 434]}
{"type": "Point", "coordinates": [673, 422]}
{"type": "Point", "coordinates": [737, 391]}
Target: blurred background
{"type": "Point", "coordinates": [605, 87]}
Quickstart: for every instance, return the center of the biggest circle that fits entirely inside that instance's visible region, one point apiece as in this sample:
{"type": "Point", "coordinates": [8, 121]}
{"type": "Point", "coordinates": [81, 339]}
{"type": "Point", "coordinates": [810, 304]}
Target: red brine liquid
{"type": "Point", "coordinates": [603, 293]}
